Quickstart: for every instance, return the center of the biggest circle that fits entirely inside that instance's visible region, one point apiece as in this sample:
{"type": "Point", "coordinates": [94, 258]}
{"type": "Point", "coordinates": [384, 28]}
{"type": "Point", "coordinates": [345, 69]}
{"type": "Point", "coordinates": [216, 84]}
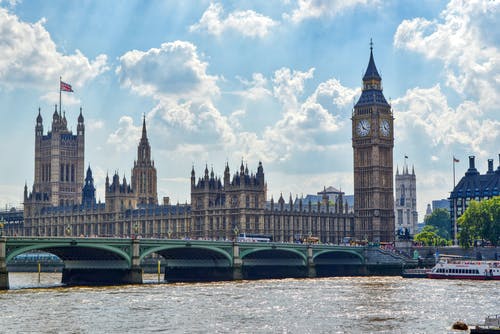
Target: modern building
{"type": "Point", "coordinates": [373, 143]}
{"type": "Point", "coordinates": [221, 207]}
{"type": "Point", "coordinates": [405, 205]}
{"type": "Point", "coordinates": [473, 186]}
{"type": "Point", "coordinates": [440, 204]}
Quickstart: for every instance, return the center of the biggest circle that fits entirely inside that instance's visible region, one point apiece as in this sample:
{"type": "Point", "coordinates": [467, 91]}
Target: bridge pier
{"type": "Point", "coordinates": [237, 263]}
{"type": "Point", "coordinates": [311, 267]}
{"type": "Point", "coordinates": [4, 275]}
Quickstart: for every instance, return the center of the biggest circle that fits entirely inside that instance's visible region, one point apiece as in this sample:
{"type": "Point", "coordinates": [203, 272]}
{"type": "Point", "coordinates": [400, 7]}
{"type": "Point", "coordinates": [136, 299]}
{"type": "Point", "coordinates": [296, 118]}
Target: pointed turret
{"type": "Point", "coordinates": [88, 190]}
{"type": "Point", "coordinates": [372, 85]}
{"type": "Point", "coordinates": [39, 118]}
{"type": "Point", "coordinates": [39, 124]}
{"type": "Point", "coordinates": [227, 175]}
{"type": "Point", "coordinates": [371, 71]}
{"type": "Point", "coordinates": [144, 132]}
{"type": "Point", "coordinates": [80, 128]}
{"type": "Point", "coordinates": [260, 174]}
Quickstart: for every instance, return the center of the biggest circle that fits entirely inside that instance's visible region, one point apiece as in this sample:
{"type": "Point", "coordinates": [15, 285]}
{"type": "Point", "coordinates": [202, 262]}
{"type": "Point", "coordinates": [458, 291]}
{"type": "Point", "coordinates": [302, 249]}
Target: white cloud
{"type": "Point", "coordinates": [247, 23]}
{"type": "Point", "coordinates": [307, 126]}
{"type": "Point", "coordinates": [94, 124]}
{"type": "Point", "coordinates": [30, 57]}
{"type": "Point", "coordinates": [312, 9]}
{"type": "Point", "coordinates": [172, 71]}
{"type": "Point", "coordinates": [67, 99]}
{"type": "Point", "coordinates": [126, 137]}
{"type": "Point", "coordinates": [288, 86]}
{"type": "Point", "coordinates": [465, 40]}
{"type": "Point", "coordinates": [426, 115]}
{"type": "Point", "coordinates": [256, 87]}
{"type": "Point", "coordinates": [187, 122]}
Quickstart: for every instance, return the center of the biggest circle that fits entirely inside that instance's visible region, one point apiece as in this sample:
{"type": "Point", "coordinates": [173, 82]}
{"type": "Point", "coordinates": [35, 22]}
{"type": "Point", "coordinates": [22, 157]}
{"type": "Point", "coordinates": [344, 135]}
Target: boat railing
{"type": "Point", "coordinates": [492, 320]}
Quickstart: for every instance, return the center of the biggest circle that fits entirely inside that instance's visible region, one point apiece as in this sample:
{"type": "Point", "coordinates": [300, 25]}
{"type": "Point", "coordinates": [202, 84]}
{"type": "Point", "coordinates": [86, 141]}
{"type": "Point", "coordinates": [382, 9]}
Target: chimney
{"type": "Point", "coordinates": [490, 166]}
{"type": "Point", "coordinates": [472, 168]}
{"type": "Point", "coordinates": [471, 162]}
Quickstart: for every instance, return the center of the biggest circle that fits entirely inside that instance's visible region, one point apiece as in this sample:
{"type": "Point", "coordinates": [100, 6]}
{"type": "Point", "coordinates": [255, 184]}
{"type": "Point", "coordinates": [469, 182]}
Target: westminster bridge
{"type": "Point", "coordinates": [90, 261]}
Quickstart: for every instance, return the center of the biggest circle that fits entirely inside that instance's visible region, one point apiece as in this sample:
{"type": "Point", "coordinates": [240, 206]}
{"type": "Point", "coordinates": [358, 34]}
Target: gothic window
{"type": "Point", "coordinates": [247, 202]}
{"type": "Point", "coordinates": [62, 172]}
{"type": "Point", "coordinates": [72, 173]}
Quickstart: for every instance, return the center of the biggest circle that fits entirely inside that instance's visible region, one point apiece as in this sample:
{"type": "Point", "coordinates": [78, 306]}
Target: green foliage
{"type": "Point", "coordinates": [481, 221]}
{"type": "Point", "coordinates": [440, 218]}
{"type": "Point", "coordinates": [430, 237]}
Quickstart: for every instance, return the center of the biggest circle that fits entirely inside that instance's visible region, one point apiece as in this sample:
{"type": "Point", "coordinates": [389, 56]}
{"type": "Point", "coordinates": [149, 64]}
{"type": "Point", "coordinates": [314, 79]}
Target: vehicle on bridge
{"type": "Point", "coordinates": [251, 237]}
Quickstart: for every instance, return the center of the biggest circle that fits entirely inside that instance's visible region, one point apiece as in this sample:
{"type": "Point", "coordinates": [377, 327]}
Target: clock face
{"type": "Point", "coordinates": [363, 127]}
{"type": "Point", "coordinates": [385, 128]}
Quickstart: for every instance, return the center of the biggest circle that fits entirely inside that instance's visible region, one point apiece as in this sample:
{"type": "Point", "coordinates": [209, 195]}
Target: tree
{"type": "Point", "coordinates": [440, 218]}
{"type": "Point", "coordinates": [430, 237]}
{"type": "Point", "coordinates": [481, 220]}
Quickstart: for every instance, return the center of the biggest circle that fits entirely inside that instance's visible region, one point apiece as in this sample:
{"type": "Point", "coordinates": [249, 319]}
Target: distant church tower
{"type": "Point", "coordinates": [373, 142]}
{"type": "Point", "coordinates": [144, 172]}
{"type": "Point", "coordinates": [406, 201]}
{"type": "Point", "coordinates": [59, 164]}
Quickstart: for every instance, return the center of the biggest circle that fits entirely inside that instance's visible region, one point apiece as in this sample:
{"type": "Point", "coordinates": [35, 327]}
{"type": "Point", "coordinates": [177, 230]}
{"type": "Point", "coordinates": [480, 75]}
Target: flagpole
{"type": "Point", "coordinates": [60, 111]}
{"type": "Point", "coordinates": [454, 207]}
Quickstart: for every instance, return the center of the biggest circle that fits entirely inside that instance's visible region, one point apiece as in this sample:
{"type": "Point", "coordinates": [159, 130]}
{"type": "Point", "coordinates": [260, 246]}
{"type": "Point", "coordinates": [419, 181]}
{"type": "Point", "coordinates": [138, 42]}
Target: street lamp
{"type": "Point", "coordinates": [68, 230]}
{"type": "Point", "coordinates": [2, 224]}
{"type": "Point", "coordinates": [235, 233]}
{"type": "Point", "coordinates": [136, 229]}
{"type": "Point", "coordinates": [169, 233]}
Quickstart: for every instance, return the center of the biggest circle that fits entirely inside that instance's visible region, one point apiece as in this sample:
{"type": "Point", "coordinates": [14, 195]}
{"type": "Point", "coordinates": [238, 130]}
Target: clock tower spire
{"type": "Point", "coordinates": [373, 143]}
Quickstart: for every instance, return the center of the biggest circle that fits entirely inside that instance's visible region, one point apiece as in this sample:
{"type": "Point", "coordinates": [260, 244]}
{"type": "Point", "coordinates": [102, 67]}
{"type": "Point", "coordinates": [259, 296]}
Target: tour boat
{"type": "Point", "coordinates": [481, 270]}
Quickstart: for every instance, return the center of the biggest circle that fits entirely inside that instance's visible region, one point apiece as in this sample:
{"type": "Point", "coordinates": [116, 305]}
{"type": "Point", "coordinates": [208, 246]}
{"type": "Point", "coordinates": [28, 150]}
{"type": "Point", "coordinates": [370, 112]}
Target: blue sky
{"type": "Point", "coordinates": [270, 81]}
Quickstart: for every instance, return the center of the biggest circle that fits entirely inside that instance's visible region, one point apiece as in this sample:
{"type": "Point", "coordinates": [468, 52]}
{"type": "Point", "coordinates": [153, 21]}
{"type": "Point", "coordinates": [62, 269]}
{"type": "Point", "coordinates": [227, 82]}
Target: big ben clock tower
{"type": "Point", "coordinates": [372, 143]}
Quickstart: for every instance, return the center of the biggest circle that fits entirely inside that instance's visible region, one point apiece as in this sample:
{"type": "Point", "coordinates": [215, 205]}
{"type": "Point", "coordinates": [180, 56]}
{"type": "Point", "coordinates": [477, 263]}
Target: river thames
{"type": "Point", "coordinates": [327, 305]}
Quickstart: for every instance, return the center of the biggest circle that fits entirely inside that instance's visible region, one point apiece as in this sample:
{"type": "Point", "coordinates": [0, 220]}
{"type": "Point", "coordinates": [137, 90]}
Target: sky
{"type": "Point", "coordinates": [232, 81]}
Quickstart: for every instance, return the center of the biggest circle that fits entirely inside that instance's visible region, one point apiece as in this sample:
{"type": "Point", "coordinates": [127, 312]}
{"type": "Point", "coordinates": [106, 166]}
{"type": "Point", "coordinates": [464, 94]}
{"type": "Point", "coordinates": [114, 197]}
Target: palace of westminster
{"type": "Point", "coordinates": [62, 200]}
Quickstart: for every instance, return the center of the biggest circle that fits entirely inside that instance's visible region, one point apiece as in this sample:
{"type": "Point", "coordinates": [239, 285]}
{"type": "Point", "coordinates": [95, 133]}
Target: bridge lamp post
{"type": "Point", "coordinates": [236, 233]}
{"type": "Point", "coordinates": [169, 233]}
{"type": "Point", "coordinates": [136, 230]}
{"type": "Point", "coordinates": [2, 222]}
{"type": "Point", "coordinates": [68, 230]}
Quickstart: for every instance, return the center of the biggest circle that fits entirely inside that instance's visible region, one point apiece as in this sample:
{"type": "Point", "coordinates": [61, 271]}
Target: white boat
{"type": "Point", "coordinates": [480, 270]}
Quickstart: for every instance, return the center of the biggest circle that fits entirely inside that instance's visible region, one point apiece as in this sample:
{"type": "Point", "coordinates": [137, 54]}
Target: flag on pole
{"type": "Point", "coordinates": [66, 87]}
{"type": "Point", "coordinates": [455, 159]}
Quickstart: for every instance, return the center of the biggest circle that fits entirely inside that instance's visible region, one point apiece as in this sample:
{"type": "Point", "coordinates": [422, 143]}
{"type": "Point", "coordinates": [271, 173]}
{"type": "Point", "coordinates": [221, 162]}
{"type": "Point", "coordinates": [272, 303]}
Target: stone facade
{"type": "Point", "coordinates": [373, 142]}
{"type": "Point", "coordinates": [473, 186]}
{"type": "Point", "coordinates": [405, 206]}
{"type": "Point", "coordinates": [59, 165]}
{"type": "Point", "coordinates": [221, 208]}
{"type": "Point", "coordinates": [144, 172]}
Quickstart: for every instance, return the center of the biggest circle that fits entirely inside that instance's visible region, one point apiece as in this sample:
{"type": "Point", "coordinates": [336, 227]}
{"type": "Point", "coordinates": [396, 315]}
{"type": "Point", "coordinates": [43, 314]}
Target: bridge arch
{"type": "Point", "coordinates": [162, 250]}
{"type": "Point", "coordinates": [62, 250]}
{"type": "Point", "coordinates": [343, 256]}
{"type": "Point", "coordinates": [248, 253]}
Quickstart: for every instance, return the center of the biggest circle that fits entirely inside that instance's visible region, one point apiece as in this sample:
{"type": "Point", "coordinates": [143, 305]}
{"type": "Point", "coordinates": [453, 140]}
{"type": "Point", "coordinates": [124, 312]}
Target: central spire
{"type": "Point", "coordinates": [371, 71]}
{"type": "Point", "coordinates": [372, 85]}
{"type": "Point", "coordinates": [144, 133]}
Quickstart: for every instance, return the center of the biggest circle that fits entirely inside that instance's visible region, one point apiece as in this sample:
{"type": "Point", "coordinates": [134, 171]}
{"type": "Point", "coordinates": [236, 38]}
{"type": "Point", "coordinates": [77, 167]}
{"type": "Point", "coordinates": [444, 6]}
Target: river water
{"type": "Point", "coordinates": [326, 305]}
